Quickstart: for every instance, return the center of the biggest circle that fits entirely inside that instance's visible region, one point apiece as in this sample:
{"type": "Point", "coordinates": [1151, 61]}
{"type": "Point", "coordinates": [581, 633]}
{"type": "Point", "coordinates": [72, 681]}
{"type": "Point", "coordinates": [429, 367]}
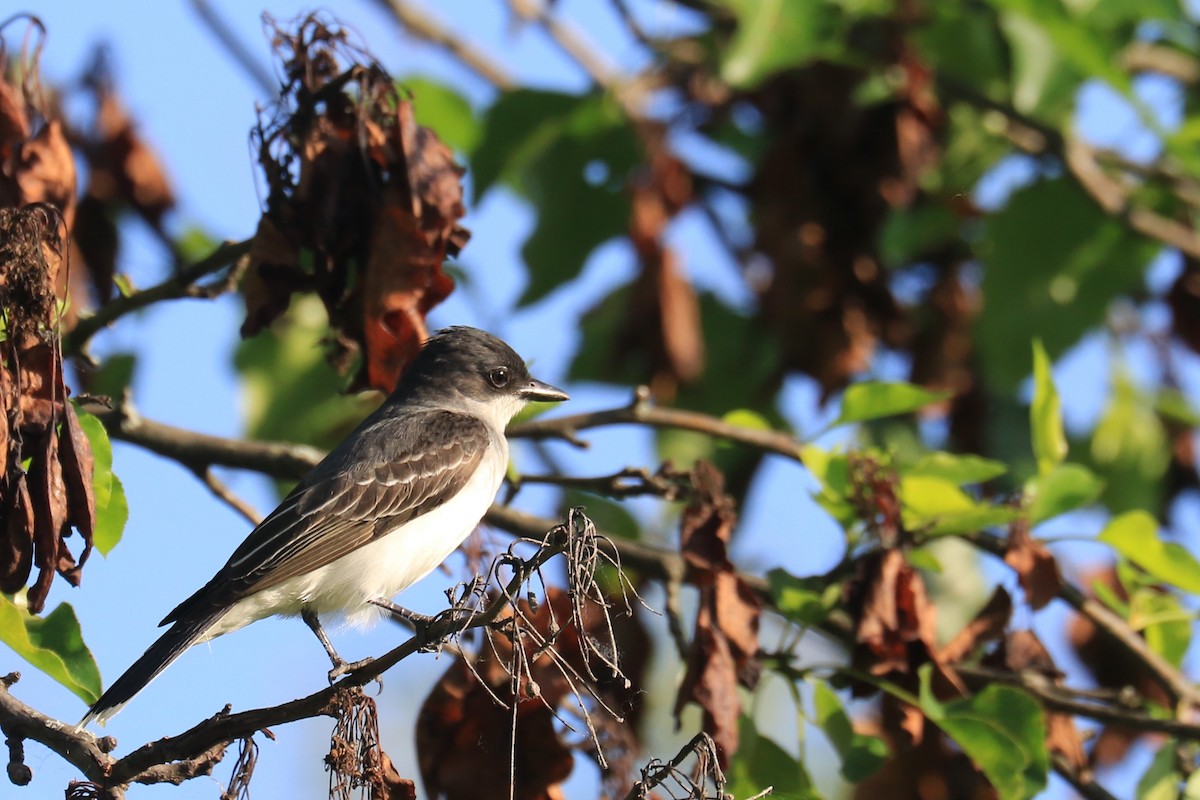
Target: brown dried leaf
{"type": "Point", "coordinates": [123, 167]}
{"type": "Point", "coordinates": [49, 496]}
{"type": "Point", "coordinates": [987, 626]}
{"type": "Point", "coordinates": [893, 615]}
{"type": "Point", "coordinates": [14, 121]}
{"type": "Point", "coordinates": [463, 740]}
{"type": "Point", "coordinates": [724, 648]}
{"type": "Point", "coordinates": [1035, 566]}
{"type": "Point", "coordinates": [404, 280]}
{"type": "Point", "coordinates": [95, 234]}
{"type": "Point", "coordinates": [44, 169]}
{"type": "Point", "coordinates": [78, 470]}
{"type": "Point", "coordinates": [16, 549]}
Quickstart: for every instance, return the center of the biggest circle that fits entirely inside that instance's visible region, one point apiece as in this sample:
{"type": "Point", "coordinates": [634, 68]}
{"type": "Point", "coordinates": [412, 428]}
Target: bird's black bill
{"type": "Point", "coordinates": [540, 392]}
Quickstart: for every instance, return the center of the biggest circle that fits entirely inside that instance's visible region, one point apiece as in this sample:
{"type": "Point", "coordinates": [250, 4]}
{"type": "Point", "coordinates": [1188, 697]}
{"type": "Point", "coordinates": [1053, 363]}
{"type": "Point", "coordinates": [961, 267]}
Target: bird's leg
{"type": "Point", "coordinates": [340, 666]}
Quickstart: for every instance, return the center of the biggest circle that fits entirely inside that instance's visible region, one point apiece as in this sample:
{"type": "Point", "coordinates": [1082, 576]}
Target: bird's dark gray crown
{"type": "Point", "coordinates": [466, 361]}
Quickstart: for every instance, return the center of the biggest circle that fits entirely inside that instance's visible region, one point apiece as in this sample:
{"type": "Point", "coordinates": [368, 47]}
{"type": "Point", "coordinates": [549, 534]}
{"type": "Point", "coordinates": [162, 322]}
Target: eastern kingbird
{"type": "Point", "coordinates": [384, 508]}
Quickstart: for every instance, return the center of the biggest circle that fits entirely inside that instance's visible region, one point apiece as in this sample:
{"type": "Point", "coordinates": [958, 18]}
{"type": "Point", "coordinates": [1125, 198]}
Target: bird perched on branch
{"type": "Point", "coordinates": [382, 510]}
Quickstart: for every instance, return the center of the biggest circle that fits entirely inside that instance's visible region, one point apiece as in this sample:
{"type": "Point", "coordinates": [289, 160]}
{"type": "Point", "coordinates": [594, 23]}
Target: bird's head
{"type": "Point", "coordinates": [467, 364]}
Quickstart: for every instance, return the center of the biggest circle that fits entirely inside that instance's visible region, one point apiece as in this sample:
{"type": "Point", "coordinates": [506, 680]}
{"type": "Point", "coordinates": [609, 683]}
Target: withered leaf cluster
{"type": "Point", "coordinates": [41, 504]}
{"type": "Point", "coordinates": [468, 720]}
{"type": "Point", "coordinates": [894, 625]}
{"type": "Point", "coordinates": [724, 649]}
{"type": "Point", "coordinates": [356, 762]}
{"type": "Point", "coordinates": [362, 205]}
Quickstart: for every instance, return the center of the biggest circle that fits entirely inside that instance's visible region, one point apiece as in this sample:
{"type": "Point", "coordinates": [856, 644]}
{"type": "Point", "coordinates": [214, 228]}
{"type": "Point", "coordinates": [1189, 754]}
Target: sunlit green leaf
{"type": "Point", "coordinates": [806, 601]}
{"type": "Point", "coordinates": [876, 399]}
{"type": "Point", "coordinates": [289, 391]}
{"type": "Point", "coordinates": [862, 755]}
{"type": "Point", "coordinates": [1045, 414]}
{"type": "Point", "coordinates": [1163, 620]}
{"type": "Point", "coordinates": [935, 506]}
{"type": "Point", "coordinates": [1161, 779]}
{"type": "Point", "coordinates": [775, 34]}
{"type": "Point", "coordinates": [112, 509]}
{"type": "Point", "coordinates": [1130, 449]}
{"type": "Point", "coordinates": [53, 643]}
{"type": "Point", "coordinates": [1065, 488]}
{"type": "Point", "coordinates": [444, 111]}
{"type": "Point", "coordinates": [1001, 729]}
{"type": "Point", "coordinates": [959, 469]}
{"type": "Point", "coordinates": [760, 763]}
{"type": "Point", "coordinates": [1135, 535]}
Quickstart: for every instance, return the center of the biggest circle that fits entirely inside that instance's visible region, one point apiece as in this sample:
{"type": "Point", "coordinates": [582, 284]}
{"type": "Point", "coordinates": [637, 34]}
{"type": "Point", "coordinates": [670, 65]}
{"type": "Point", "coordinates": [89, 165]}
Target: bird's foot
{"type": "Point", "coordinates": [345, 667]}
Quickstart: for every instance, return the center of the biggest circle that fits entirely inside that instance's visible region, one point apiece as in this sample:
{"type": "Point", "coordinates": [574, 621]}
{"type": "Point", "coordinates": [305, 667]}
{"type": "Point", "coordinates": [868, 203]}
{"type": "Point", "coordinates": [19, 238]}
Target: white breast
{"type": "Point", "coordinates": [383, 568]}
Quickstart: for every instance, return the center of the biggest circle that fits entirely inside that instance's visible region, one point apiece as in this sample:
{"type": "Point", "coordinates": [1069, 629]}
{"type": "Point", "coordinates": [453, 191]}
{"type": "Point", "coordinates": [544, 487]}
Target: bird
{"type": "Point", "coordinates": [378, 513]}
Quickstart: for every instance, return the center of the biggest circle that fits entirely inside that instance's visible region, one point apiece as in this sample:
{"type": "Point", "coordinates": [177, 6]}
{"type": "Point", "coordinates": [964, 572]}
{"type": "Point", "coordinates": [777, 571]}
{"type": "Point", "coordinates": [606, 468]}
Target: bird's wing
{"type": "Point", "coordinates": [421, 460]}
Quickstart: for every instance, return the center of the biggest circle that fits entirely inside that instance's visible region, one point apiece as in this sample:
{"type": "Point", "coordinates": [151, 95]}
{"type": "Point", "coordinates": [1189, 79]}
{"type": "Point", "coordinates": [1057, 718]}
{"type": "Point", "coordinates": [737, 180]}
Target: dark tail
{"type": "Point", "coordinates": [182, 635]}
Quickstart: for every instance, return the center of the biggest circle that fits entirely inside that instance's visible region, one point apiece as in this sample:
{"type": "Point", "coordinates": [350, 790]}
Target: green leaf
{"type": "Point", "coordinates": [112, 509]}
{"type": "Point", "coordinates": [568, 155]}
{"type": "Point", "coordinates": [1135, 536]}
{"type": "Point", "coordinates": [289, 391]}
{"type": "Point", "coordinates": [1045, 414]}
{"type": "Point", "coordinates": [937, 507]}
{"type": "Point", "coordinates": [53, 644]}
{"type": "Point", "coordinates": [773, 35]}
{"type": "Point", "coordinates": [1065, 488]}
{"type": "Point", "coordinates": [862, 755]}
{"type": "Point", "coordinates": [1130, 449]}
{"type": "Point", "coordinates": [1062, 277]}
{"type": "Point", "coordinates": [832, 471]}
{"type": "Point", "coordinates": [805, 601]}
{"type": "Point", "coordinates": [875, 399]}
{"type": "Point", "coordinates": [113, 376]}
{"type": "Point", "coordinates": [444, 111]}
{"type": "Point", "coordinates": [1163, 620]}
{"type": "Point", "coordinates": [1161, 779]}
{"type": "Point", "coordinates": [760, 762]}
{"type": "Point", "coordinates": [961, 470]}
{"type": "Point", "coordinates": [1001, 729]}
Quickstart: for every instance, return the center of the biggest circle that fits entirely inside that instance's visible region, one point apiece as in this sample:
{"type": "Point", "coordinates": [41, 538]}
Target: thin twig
{"type": "Point", "coordinates": [226, 495]}
{"type": "Point", "coordinates": [419, 22]}
{"type": "Point", "coordinates": [241, 55]}
{"type": "Point", "coordinates": [181, 284]}
{"type": "Point", "coordinates": [643, 412]}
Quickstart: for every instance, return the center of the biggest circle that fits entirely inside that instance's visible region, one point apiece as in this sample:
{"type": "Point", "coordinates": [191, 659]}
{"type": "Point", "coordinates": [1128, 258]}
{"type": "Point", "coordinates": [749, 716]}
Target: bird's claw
{"type": "Point", "coordinates": [344, 668]}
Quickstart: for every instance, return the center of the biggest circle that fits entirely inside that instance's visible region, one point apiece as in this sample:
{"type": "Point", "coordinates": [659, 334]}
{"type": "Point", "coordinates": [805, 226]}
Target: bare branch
{"type": "Point", "coordinates": [227, 496]}
{"type": "Point", "coordinates": [1150, 57]}
{"type": "Point", "coordinates": [643, 412]}
{"type": "Point", "coordinates": [419, 22]}
{"type": "Point", "coordinates": [226, 37]}
{"type": "Point", "coordinates": [181, 284]}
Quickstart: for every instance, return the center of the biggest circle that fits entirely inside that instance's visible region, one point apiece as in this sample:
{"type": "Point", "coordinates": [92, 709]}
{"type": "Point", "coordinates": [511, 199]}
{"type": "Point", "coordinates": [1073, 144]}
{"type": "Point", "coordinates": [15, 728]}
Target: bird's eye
{"type": "Point", "coordinates": [499, 377]}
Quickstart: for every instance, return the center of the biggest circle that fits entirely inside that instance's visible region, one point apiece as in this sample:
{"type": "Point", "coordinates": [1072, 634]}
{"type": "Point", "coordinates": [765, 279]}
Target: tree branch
{"type": "Point", "coordinates": [420, 23]}
{"type": "Point", "coordinates": [643, 412]}
{"type": "Point", "coordinates": [181, 284]}
{"type": "Point", "coordinates": [225, 36]}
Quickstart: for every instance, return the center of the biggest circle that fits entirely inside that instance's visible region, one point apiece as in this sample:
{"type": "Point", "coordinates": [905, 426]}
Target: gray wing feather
{"type": "Point", "coordinates": [388, 471]}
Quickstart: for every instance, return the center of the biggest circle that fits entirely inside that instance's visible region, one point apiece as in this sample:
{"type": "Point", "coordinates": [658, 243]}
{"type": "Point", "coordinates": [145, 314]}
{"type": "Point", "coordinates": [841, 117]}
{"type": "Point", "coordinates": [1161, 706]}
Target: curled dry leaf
{"type": "Point", "coordinates": [988, 626]}
{"type": "Point", "coordinates": [49, 496]}
{"type": "Point", "coordinates": [123, 167]}
{"type": "Point", "coordinates": [363, 205]}
{"type": "Point", "coordinates": [1035, 566]}
{"type": "Point", "coordinates": [16, 549]}
{"type": "Point", "coordinates": [723, 653]}
{"type": "Point", "coordinates": [43, 169]}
